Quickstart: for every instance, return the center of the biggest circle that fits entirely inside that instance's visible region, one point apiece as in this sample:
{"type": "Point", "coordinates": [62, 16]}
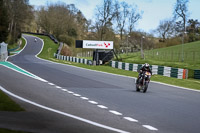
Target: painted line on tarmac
{"type": "Point", "coordinates": [77, 95]}
{"type": "Point", "coordinates": [150, 127]}
{"type": "Point", "coordinates": [58, 87]}
{"type": "Point", "coordinates": [115, 112]}
{"type": "Point", "coordinates": [103, 107]}
{"type": "Point", "coordinates": [64, 90]}
{"type": "Point", "coordinates": [130, 119]}
{"type": "Point", "coordinates": [63, 113]}
{"type": "Point", "coordinates": [18, 69]}
{"type": "Point", "coordinates": [51, 84]}
{"type": "Point", "coordinates": [70, 92]}
{"type": "Point", "coordinates": [84, 98]}
{"type": "Point", "coordinates": [93, 102]}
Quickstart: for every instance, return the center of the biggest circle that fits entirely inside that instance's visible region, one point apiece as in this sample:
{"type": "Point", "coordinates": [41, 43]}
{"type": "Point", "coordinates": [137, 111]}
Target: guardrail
{"type": "Point", "coordinates": [160, 70]}
{"type": "Point", "coordinates": [10, 50]}
{"type": "Point", "coordinates": [44, 34]}
{"type": "Point", "coordinates": [73, 59]}
{"type": "Point", "coordinates": [197, 74]}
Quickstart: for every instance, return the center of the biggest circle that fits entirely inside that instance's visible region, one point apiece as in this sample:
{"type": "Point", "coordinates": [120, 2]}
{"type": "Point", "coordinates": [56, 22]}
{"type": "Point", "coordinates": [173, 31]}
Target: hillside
{"type": "Point", "coordinates": [188, 47]}
{"type": "Point", "coordinates": [189, 53]}
{"type": "Point", "coordinates": [169, 56]}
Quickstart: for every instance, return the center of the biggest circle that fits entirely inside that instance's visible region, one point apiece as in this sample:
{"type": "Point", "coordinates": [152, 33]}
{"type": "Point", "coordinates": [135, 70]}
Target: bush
{"type": "Point", "coordinates": [190, 73]}
{"type": "Point", "coordinates": [67, 39]}
{"type": "Point", "coordinates": [66, 51]}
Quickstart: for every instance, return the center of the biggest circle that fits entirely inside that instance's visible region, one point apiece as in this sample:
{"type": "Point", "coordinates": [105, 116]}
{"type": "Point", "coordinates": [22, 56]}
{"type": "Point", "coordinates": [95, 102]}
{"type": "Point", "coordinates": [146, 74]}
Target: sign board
{"type": "Point", "coordinates": [97, 44]}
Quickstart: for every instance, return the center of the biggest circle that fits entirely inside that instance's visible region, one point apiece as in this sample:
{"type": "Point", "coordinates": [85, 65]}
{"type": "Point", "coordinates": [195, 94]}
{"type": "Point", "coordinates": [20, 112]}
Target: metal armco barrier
{"type": "Point", "coordinates": [73, 59]}
{"type": "Point", "coordinates": [44, 34]}
{"type": "Point", "coordinates": [160, 70]}
{"type": "Point", "coordinates": [197, 74]}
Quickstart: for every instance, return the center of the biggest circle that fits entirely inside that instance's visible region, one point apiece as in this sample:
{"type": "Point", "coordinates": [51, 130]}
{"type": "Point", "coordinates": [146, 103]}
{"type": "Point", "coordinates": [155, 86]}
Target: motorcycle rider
{"type": "Point", "coordinates": [144, 68]}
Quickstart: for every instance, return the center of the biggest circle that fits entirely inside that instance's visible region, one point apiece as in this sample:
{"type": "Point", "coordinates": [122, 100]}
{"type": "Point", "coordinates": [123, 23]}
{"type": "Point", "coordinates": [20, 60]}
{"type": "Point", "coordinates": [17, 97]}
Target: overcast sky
{"type": "Point", "coordinates": [153, 10]}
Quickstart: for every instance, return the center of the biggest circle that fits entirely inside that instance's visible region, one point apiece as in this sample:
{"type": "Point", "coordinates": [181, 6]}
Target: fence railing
{"type": "Point", "coordinates": [85, 54]}
{"type": "Point", "coordinates": [73, 59]}
{"type": "Point", "coordinates": [173, 56]}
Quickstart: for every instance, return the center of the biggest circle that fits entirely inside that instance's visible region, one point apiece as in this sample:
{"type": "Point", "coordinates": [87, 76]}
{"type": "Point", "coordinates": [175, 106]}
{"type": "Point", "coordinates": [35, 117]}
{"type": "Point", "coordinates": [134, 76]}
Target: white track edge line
{"type": "Point", "coordinates": [92, 102]}
{"type": "Point", "coordinates": [63, 113]}
{"type": "Point", "coordinates": [115, 112]}
{"type": "Point", "coordinates": [84, 98]}
{"type": "Point", "coordinates": [103, 107]}
{"type": "Point", "coordinates": [130, 119]}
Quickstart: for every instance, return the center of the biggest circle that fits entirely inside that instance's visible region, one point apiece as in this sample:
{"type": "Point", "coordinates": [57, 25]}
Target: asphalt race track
{"type": "Point", "coordinates": [76, 100]}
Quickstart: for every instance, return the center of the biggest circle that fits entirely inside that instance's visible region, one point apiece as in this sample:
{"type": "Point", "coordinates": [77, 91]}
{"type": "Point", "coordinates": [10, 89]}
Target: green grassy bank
{"type": "Point", "coordinates": [6, 104]}
{"type": "Point", "coordinates": [185, 56]}
{"type": "Point", "coordinates": [10, 131]}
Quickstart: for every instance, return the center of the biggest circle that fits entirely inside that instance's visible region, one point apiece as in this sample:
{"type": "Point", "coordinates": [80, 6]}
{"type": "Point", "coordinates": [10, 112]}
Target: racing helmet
{"type": "Point", "coordinates": [146, 65]}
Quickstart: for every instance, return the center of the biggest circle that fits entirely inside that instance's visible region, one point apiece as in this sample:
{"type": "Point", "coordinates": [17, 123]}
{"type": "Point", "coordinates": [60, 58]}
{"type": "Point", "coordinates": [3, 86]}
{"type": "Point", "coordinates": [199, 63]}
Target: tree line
{"type": "Point", "coordinates": [14, 16]}
{"type": "Point", "coordinates": [67, 23]}
{"type": "Point", "coordinates": [113, 20]}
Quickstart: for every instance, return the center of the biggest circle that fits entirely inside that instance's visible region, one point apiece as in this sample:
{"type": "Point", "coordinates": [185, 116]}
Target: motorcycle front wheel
{"type": "Point", "coordinates": [145, 87]}
{"type": "Point", "coordinates": [137, 88]}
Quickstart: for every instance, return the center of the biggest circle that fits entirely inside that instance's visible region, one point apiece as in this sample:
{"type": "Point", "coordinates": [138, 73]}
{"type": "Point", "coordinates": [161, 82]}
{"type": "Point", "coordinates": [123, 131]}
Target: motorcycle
{"type": "Point", "coordinates": [143, 82]}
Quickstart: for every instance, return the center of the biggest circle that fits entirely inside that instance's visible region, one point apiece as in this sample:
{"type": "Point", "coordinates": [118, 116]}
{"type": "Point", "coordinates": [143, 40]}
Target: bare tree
{"type": "Point", "coordinates": [105, 14]}
{"type": "Point", "coordinates": [165, 29]}
{"type": "Point", "coordinates": [133, 18]}
{"type": "Point", "coordinates": [122, 13]}
{"type": "Point", "coordinates": [181, 11]}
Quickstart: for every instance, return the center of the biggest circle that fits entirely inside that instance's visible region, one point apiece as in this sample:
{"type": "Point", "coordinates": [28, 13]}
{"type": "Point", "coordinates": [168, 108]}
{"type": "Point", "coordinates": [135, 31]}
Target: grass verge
{"type": "Point", "coordinates": [48, 54]}
{"type": "Point", "coordinates": [23, 43]}
{"type": "Point", "coordinates": [48, 50]}
{"type": "Point", "coordinates": [6, 104]}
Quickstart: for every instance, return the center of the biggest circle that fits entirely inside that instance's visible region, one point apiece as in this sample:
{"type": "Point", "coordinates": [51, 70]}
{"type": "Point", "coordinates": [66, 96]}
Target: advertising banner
{"type": "Point", "coordinates": [98, 44]}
